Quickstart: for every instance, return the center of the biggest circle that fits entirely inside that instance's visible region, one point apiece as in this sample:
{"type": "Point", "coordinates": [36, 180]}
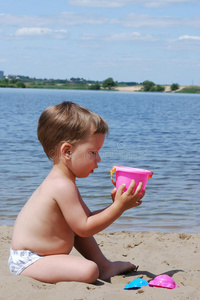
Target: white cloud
{"type": "Point", "coordinates": [40, 32]}
{"type": "Point", "coordinates": [34, 31]}
{"type": "Point", "coordinates": [129, 36]}
{"type": "Point", "coordinates": [122, 3]}
{"type": "Point", "coordinates": [185, 43]}
{"type": "Point", "coordinates": [69, 18]}
{"type": "Point", "coordinates": [62, 19]}
{"type": "Point", "coordinates": [163, 3]}
{"type": "Point", "coordinates": [189, 37]}
{"type": "Point", "coordinates": [135, 20]}
{"type": "Point", "coordinates": [15, 20]}
{"type": "Point", "coordinates": [73, 19]}
{"type": "Point", "coordinates": [99, 3]}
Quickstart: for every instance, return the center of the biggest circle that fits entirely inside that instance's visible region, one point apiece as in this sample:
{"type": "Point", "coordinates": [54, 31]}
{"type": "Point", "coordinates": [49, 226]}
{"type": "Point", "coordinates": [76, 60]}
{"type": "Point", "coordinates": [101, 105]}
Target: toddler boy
{"type": "Point", "coordinates": [55, 218]}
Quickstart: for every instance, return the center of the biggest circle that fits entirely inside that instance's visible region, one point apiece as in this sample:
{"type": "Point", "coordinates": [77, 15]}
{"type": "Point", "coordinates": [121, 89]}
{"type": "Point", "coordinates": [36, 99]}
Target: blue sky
{"type": "Point", "coordinates": [128, 40]}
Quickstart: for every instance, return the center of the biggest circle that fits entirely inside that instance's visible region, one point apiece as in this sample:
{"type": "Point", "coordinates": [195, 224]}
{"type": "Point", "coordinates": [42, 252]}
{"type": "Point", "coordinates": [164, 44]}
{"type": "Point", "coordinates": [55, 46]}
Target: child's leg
{"type": "Point", "coordinates": [89, 248]}
{"type": "Point", "coordinates": [57, 268]}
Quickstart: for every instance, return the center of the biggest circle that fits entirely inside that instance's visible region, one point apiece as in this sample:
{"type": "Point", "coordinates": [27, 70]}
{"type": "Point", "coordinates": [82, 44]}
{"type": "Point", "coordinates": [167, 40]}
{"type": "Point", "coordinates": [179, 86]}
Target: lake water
{"type": "Point", "coordinates": [155, 131]}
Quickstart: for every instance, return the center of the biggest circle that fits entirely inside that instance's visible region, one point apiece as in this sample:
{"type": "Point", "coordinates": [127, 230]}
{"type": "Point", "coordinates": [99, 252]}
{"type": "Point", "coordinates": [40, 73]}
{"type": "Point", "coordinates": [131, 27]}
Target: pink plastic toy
{"type": "Point", "coordinates": [163, 281]}
{"type": "Point", "coordinates": [124, 175]}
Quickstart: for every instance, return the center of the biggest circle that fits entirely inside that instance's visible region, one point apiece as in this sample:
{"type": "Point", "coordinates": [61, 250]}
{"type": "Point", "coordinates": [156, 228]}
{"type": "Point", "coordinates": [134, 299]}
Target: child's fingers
{"type": "Point", "coordinates": [139, 188]}
{"type": "Point", "coordinates": [141, 195]}
{"type": "Point", "coordinates": [113, 193]}
{"type": "Point", "coordinates": [131, 187]}
{"type": "Point", "coordinates": [121, 188]}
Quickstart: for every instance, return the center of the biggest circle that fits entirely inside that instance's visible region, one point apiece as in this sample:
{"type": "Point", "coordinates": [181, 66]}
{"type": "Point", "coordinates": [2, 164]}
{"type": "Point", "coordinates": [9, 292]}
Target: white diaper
{"type": "Point", "coordinates": [20, 260]}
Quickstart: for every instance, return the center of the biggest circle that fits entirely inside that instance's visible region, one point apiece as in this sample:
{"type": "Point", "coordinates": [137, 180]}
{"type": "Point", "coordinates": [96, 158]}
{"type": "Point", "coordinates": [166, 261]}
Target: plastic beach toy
{"type": "Point", "coordinates": [124, 175]}
{"type": "Point", "coordinates": [163, 281]}
{"type": "Point", "coordinates": [136, 284]}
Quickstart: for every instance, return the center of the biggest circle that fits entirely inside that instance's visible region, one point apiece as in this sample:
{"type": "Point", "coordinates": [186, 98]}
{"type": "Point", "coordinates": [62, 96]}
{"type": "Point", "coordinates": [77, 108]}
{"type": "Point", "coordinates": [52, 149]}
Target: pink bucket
{"type": "Point", "coordinates": [124, 175]}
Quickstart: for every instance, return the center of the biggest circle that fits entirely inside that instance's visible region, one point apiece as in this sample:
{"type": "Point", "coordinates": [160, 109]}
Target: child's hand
{"type": "Point", "coordinates": [113, 193]}
{"type": "Point", "coordinates": [128, 199]}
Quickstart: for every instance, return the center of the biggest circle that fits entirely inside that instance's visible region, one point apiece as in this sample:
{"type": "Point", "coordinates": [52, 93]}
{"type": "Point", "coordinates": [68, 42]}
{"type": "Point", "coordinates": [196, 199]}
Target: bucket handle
{"type": "Point", "coordinates": [150, 175]}
{"type": "Point", "coordinates": [111, 176]}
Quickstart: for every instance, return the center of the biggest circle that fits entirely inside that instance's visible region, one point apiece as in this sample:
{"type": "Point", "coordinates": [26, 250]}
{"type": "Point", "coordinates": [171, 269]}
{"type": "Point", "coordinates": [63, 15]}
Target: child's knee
{"type": "Point", "coordinates": [92, 273]}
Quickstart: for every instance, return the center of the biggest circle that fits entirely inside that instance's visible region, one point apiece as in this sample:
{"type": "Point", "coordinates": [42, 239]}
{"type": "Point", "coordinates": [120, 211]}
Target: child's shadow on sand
{"type": "Point", "coordinates": [139, 274]}
{"type": "Point", "coordinates": [152, 275]}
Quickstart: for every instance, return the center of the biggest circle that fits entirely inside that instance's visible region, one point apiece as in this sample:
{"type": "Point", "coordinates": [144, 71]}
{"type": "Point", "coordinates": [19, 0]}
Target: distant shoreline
{"type": "Point", "coordinates": [134, 88]}
{"type": "Point", "coordinates": [138, 88]}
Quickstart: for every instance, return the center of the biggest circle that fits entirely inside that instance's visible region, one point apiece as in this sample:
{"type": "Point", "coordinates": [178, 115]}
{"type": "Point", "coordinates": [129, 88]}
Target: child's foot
{"type": "Point", "coordinates": [116, 268]}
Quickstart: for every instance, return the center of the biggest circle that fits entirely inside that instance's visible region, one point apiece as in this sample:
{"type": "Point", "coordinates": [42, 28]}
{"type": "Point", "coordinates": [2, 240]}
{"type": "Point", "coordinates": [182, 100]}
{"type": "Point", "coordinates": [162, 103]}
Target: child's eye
{"type": "Point", "coordinates": [94, 153]}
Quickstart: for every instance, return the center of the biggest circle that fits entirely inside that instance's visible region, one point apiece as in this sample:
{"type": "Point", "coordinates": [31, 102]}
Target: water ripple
{"type": "Point", "coordinates": [154, 131]}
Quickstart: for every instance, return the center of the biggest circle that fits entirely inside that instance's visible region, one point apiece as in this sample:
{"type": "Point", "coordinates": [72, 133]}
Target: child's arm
{"type": "Point", "coordinates": [83, 222]}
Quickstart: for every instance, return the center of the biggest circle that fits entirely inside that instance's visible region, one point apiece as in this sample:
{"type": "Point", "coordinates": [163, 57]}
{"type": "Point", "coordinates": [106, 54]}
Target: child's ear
{"type": "Point", "coordinates": [66, 150]}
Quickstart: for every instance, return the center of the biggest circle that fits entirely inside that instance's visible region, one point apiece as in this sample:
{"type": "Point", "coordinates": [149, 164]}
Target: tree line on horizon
{"type": "Point", "coordinates": [19, 81]}
{"type": "Point", "coordinates": [25, 81]}
{"type": "Point", "coordinates": [150, 86]}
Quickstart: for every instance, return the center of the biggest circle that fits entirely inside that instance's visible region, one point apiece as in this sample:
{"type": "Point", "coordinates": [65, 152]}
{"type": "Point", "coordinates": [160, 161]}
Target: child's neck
{"type": "Point", "coordinates": [63, 170]}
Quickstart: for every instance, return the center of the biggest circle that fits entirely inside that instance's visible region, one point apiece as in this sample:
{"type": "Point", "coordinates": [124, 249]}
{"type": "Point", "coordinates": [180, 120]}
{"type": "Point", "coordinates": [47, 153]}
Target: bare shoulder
{"type": "Point", "coordinates": [61, 188]}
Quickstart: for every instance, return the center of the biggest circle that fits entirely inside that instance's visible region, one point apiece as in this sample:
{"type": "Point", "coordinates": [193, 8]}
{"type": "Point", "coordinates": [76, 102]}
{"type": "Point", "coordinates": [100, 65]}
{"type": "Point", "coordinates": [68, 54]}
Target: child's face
{"type": "Point", "coordinates": [85, 155]}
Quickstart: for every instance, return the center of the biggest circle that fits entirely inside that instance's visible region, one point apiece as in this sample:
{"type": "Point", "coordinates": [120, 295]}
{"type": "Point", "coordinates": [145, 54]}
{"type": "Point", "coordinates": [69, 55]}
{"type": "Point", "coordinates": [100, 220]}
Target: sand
{"type": "Point", "coordinates": [134, 88]}
{"type": "Point", "coordinates": [138, 88]}
{"type": "Point", "coordinates": [175, 254]}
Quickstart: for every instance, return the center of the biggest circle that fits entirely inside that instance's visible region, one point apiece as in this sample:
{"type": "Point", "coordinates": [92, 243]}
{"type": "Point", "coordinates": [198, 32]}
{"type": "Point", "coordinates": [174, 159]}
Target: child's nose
{"type": "Point", "coordinates": [98, 158]}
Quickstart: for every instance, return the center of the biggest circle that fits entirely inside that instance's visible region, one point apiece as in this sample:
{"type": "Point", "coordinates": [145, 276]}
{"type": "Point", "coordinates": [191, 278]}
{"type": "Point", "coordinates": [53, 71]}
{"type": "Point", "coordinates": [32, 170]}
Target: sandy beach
{"type": "Point", "coordinates": [138, 88]}
{"type": "Point", "coordinates": [174, 254]}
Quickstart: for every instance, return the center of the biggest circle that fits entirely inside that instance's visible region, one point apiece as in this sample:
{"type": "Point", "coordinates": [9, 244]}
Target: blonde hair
{"type": "Point", "coordinates": [68, 122]}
